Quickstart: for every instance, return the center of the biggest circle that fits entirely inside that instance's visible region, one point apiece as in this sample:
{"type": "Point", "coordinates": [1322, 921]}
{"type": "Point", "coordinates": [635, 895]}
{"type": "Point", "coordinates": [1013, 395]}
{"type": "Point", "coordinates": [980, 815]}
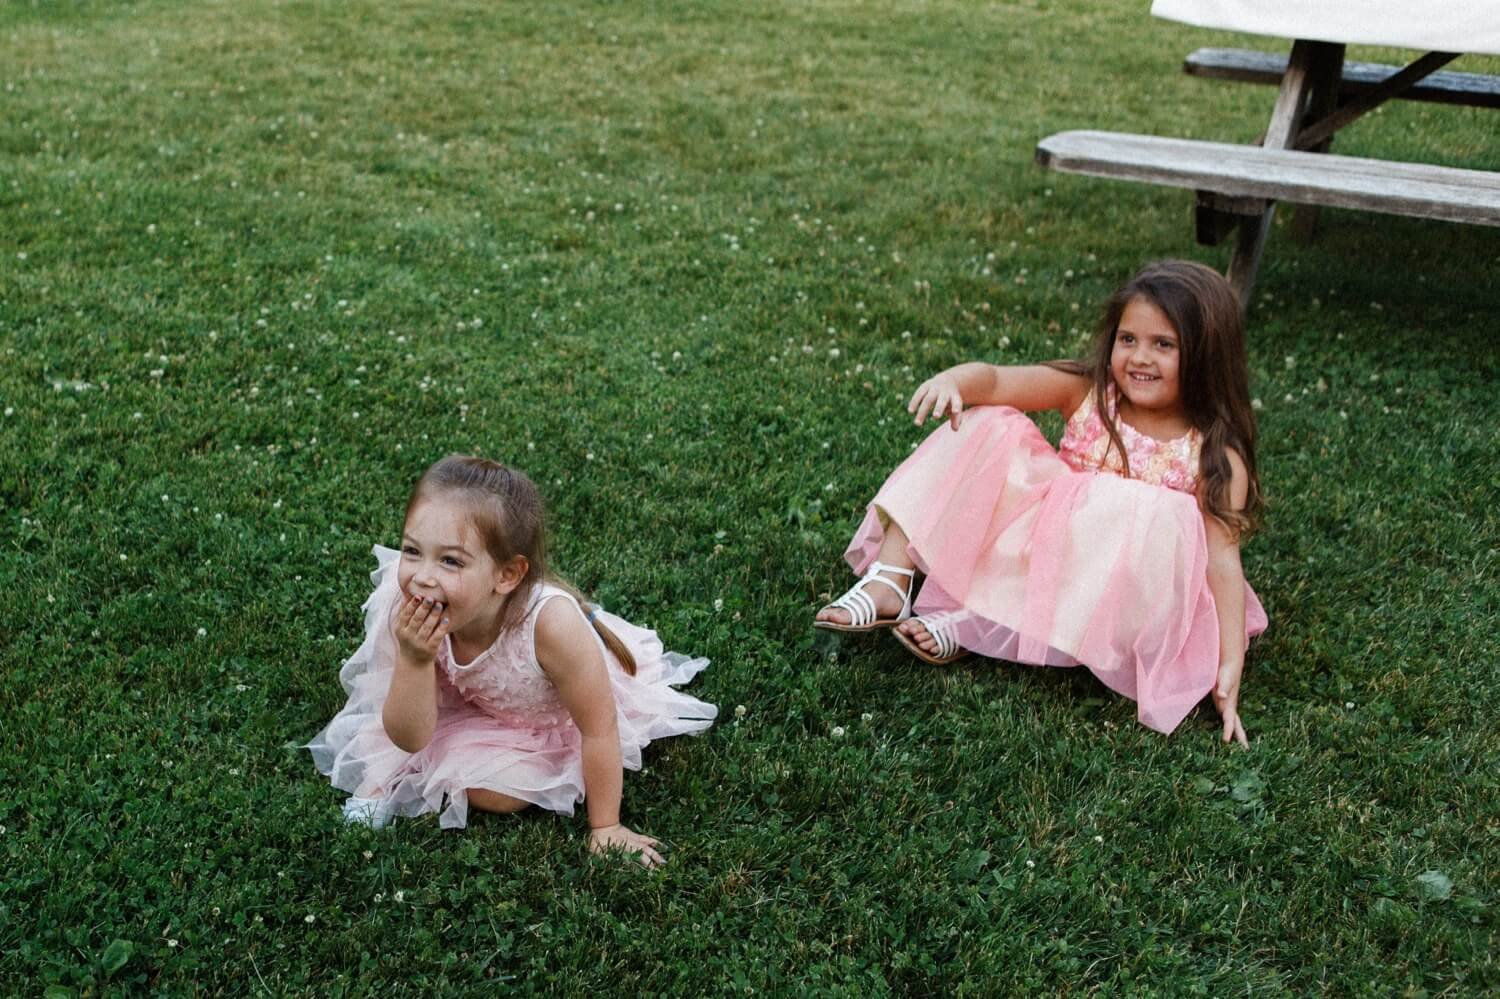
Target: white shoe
{"type": "Point", "coordinates": [373, 812]}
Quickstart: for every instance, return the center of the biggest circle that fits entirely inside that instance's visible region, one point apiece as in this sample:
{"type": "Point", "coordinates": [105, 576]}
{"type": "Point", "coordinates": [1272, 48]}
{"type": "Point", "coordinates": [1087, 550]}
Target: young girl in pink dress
{"type": "Point", "coordinates": [485, 682]}
{"type": "Point", "coordinates": [1118, 551]}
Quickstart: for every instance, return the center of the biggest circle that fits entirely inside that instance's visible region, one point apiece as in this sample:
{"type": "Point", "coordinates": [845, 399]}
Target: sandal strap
{"type": "Point", "coordinates": [861, 606]}
{"type": "Point", "coordinates": [936, 626]}
{"type": "Point", "coordinates": [858, 603]}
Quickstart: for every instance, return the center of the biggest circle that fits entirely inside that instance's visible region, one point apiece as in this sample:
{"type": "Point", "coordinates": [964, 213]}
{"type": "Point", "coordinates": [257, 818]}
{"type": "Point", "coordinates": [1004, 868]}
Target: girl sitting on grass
{"type": "Point", "coordinates": [1120, 550]}
{"type": "Point", "coordinates": [484, 681]}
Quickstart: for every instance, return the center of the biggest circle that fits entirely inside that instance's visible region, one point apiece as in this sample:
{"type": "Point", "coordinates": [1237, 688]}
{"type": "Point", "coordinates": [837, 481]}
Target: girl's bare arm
{"type": "Point", "coordinates": [569, 653]}
{"type": "Point", "coordinates": [1226, 581]}
{"type": "Point", "coordinates": [1028, 388]}
{"type": "Point", "coordinates": [410, 711]}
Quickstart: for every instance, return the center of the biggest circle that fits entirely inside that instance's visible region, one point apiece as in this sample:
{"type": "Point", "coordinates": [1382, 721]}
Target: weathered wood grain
{"type": "Point", "coordinates": [1415, 189]}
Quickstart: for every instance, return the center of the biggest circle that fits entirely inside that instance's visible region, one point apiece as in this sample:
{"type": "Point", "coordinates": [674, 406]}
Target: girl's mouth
{"type": "Point", "coordinates": [1137, 376]}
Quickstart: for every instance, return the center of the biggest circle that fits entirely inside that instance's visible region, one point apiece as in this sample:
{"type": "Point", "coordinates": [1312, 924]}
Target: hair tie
{"type": "Point", "coordinates": [592, 613]}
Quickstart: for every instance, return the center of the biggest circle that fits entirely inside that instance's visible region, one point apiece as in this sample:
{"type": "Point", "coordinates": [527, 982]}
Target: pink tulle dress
{"type": "Point", "coordinates": [501, 726]}
{"type": "Point", "coordinates": [1053, 558]}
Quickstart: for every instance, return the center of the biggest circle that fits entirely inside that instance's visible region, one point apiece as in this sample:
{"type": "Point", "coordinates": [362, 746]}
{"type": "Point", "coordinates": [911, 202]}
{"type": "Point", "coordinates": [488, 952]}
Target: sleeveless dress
{"type": "Point", "coordinates": [1053, 558]}
{"type": "Point", "coordinates": [501, 725]}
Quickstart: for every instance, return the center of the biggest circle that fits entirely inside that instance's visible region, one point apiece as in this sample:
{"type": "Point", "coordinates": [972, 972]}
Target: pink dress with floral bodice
{"type": "Point", "coordinates": [1054, 557]}
{"type": "Point", "coordinates": [501, 725]}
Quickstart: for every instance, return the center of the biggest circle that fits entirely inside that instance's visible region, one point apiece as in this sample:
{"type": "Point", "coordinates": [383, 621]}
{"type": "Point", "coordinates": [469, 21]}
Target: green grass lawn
{"type": "Point", "coordinates": [262, 262]}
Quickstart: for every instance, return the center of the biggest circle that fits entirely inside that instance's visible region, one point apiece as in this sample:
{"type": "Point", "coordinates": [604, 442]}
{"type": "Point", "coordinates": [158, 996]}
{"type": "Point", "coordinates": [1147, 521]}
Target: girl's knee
{"type": "Point", "coordinates": [494, 801]}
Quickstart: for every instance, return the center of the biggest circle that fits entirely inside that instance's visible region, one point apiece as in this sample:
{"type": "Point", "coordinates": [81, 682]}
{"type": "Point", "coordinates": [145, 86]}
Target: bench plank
{"type": "Point", "coordinates": [1249, 66]}
{"type": "Point", "coordinates": [1416, 189]}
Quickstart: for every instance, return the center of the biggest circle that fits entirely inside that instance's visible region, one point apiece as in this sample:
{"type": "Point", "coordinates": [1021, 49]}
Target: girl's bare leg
{"type": "Point", "coordinates": [494, 801]}
{"type": "Point", "coordinates": [887, 600]}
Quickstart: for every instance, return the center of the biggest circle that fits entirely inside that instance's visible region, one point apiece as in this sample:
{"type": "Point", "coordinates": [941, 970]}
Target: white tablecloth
{"type": "Point", "coordinates": [1434, 25]}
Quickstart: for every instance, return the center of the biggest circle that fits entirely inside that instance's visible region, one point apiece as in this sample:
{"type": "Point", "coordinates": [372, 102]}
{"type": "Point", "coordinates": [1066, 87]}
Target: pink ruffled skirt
{"type": "Point", "coordinates": [1035, 563]}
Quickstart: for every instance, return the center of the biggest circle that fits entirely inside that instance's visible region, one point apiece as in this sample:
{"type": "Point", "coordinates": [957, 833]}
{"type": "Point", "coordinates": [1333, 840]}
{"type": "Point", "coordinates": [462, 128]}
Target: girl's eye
{"type": "Point", "coordinates": [450, 560]}
{"type": "Point", "coordinates": [1165, 344]}
{"type": "Point", "coordinates": [408, 550]}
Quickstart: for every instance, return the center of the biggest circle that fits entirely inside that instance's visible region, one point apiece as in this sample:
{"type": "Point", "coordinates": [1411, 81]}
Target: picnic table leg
{"type": "Point", "coordinates": [1323, 101]}
{"type": "Point", "coordinates": [1303, 67]}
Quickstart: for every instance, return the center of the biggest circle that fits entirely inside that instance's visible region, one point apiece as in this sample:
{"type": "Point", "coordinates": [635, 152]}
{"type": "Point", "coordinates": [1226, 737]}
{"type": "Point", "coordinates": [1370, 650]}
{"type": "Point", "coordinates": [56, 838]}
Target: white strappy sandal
{"type": "Point", "coordinates": [861, 606]}
{"type": "Point", "coordinates": [939, 626]}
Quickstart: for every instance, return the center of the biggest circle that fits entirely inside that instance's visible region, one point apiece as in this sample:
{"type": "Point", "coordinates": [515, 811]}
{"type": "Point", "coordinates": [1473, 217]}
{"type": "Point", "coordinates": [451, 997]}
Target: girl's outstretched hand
{"type": "Point", "coordinates": [1227, 700]}
{"type": "Point", "coordinates": [421, 626]}
{"type": "Point", "coordinates": [937, 396]}
{"type": "Point", "coordinates": [619, 837]}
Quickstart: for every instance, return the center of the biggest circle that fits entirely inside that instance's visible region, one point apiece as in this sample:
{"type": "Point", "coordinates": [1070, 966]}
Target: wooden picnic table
{"type": "Point", "coordinates": [1319, 93]}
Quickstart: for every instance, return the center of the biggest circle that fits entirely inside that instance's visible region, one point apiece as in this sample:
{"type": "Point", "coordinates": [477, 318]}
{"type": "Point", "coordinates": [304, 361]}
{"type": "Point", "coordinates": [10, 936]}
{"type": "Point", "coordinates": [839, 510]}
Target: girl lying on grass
{"type": "Point", "coordinates": [1120, 550]}
{"type": "Point", "coordinates": [484, 681]}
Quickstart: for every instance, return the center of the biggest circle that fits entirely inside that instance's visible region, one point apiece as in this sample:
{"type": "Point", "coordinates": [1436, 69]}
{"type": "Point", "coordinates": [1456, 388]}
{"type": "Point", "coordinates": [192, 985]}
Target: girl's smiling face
{"type": "Point", "coordinates": [1145, 359]}
{"type": "Point", "coordinates": [443, 559]}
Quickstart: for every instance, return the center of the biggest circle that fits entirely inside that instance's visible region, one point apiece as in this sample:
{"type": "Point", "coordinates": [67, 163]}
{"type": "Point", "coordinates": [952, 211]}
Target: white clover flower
{"type": "Point", "coordinates": [1257, 404]}
{"type": "Point", "coordinates": [866, 717]}
{"type": "Point", "coordinates": [1031, 863]}
{"type": "Point", "coordinates": [309, 919]}
{"type": "Point", "coordinates": [241, 687]}
{"type": "Point", "coordinates": [380, 896]}
{"type": "Point", "coordinates": [739, 711]}
{"type": "Point", "coordinates": [172, 943]}
{"type": "Point", "coordinates": [202, 632]}
{"type": "Point", "coordinates": [1349, 705]}
{"type": "Point", "coordinates": [718, 603]}
{"type": "Point", "coordinates": [10, 410]}
{"type": "Point", "coordinates": [1290, 361]}
{"type": "Point", "coordinates": [400, 896]}
{"type": "Point", "coordinates": [1098, 839]}
{"type": "Point", "coordinates": [837, 732]}
{"type": "Point", "coordinates": [368, 854]}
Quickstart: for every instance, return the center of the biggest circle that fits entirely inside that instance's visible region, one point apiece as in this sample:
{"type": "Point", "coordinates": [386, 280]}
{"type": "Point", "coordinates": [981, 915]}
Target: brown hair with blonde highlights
{"type": "Point", "coordinates": [1213, 377]}
{"type": "Point", "coordinates": [506, 510]}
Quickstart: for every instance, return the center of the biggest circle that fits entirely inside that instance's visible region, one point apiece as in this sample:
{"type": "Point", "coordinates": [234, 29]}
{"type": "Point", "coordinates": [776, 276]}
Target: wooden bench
{"type": "Point", "coordinates": [1252, 172]}
{"type": "Point", "coordinates": [1358, 78]}
{"type": "Point", "coordinates": [1238, 185]}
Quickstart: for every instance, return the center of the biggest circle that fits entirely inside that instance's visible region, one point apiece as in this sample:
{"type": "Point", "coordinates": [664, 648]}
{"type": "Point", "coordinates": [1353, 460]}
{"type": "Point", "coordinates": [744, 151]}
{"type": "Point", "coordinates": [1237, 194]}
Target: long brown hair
{"type": "Point", "coordinates": [506, 510]}
{"type": "Point", "coordinates": [1212, 376]}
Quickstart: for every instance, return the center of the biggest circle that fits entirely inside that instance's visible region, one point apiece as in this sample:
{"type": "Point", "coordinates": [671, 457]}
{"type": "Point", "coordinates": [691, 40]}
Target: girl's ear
{"type": "Point", "coordinates": [509, 575]}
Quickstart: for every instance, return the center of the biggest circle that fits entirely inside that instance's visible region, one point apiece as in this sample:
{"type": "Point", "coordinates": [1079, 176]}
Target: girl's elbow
{"type": "Point", "coordinates": [407, 738]}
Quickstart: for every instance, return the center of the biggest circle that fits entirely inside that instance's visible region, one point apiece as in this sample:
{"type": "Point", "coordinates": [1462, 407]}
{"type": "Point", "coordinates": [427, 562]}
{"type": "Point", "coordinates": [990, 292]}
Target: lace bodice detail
{"type": "Point", "coordinates": [1085, 446]}
{"type": "Point", "coordinates": [505, 680]}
